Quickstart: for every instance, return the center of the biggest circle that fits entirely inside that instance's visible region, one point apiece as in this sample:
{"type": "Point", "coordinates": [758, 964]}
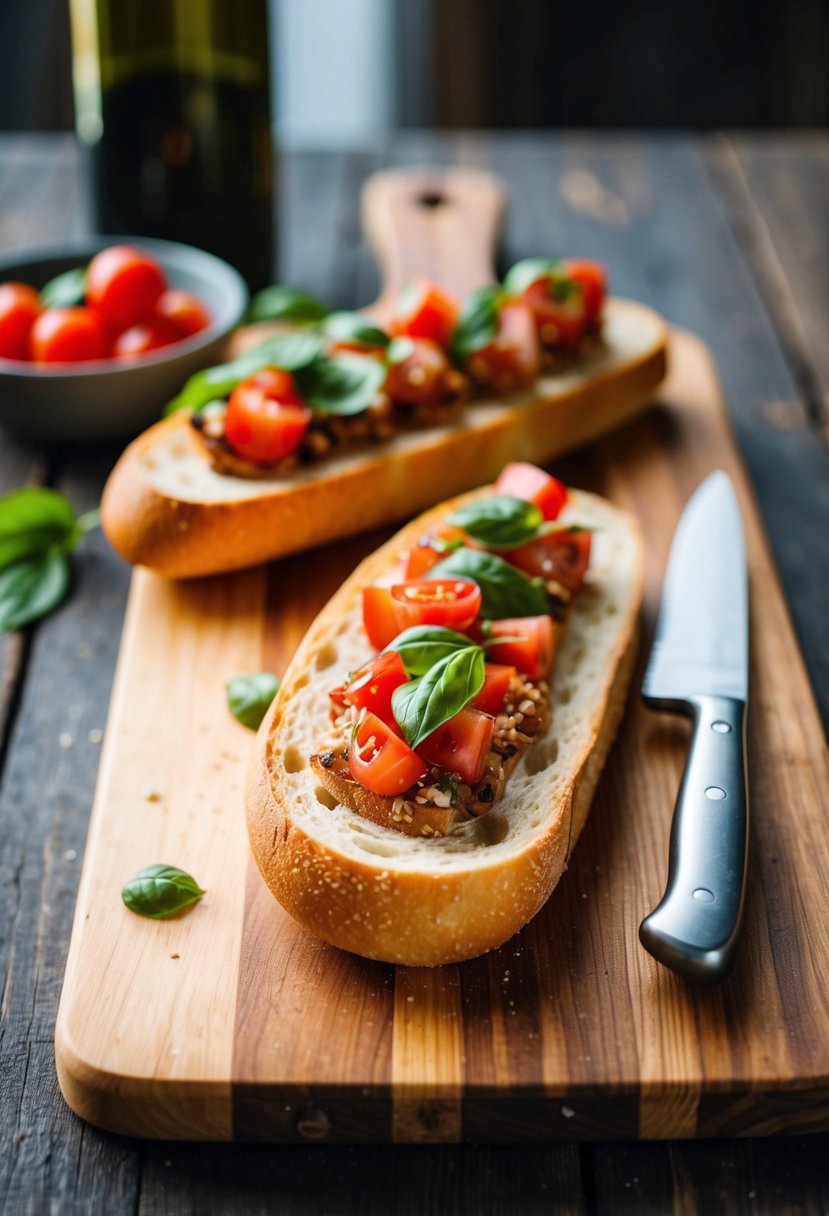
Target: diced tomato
{"type": "Point", "coordinates": [514, 355]}
{"type": "Point", "coordinates": [420, 378]}
{"type": "Point", "coordinates": [461, 745]}
{"type": "Point", "coordinates": [453, 602]}
{"type": "Point", "coordinates": [183, 310]}
{"type": "Point", "coordinates": [144, 337]}
{"type": "Point", "coordinates": [433, 547]}
{"type": "Point", "coordinates": [526, 481]}
{"type": "Point", "coordinates": [372, 686]}
{"type": "Point", "coordinates": [67, 335]}
{"type": "Point", "coordinates": [563, 555]}
{"type": "Point", "coordinates": [124, 285]}
{"type": "Point", "coordinates": [265, 418]}
{"type": "Point", "coordinates": [496, 682]}
{"type": "Point", "coordinates": [535, 650]}
{"type": "Point", "coordinates": [558, 305]}
{"type": "Point", "coordinates": [19, 309]}
{"type": "Point", "coordinates": [424, 310]}
{"type": "Point", "coordinates": [379, 616]}
{"type": "Point", "coordinates": [381, 761]}
{"type": "Point", "coordinates": [592, 280]}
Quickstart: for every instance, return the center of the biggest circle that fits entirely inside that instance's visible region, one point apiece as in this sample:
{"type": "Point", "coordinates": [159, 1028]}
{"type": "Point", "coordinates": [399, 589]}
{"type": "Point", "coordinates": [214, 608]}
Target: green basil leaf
{"type": "Point", "coordinates": [422, 646]}
{"type": "Point", "coordinates": [32, 521]}
{"type": "Point", "coordinates": [159, 891]}
{"type": "Point", "coordinates": [477, 324]}
{"type": "Point", "coordinates": [499, 521]}
{"type": "Point", "coordinates": [341, 384]}
{"type": "Point", "coordinates": [505, 591]}
{"type": "Point", "coordinates": [290, 352]}
{"type": "Point", "coordinates": [354, 327]}
{"type": "Point", "coordinates": [65, 290]}
{"type": "Point", "coordinates": [523, 274]}
{"type": "Point", "coordinates": [249, 696]}
{"type": "Point", "coordinates": [399, 350]}
{"type": "Point", "coordinates": [422, 705]}
{"type": "Point", "coordinates": [281, 303]}
{"type": "Point", "coordinates": [30, 588]}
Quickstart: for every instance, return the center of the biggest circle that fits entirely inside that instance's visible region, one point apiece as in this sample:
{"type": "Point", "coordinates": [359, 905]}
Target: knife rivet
{"type": "Point", "coordinates": [715, 793]}
{"type": "Point", "coordinates": [722, 728]}
{"type": "Point", "coordinates": [703, 895]}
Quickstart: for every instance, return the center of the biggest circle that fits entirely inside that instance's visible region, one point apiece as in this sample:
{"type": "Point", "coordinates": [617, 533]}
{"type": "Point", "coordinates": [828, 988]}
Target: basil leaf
{"type": "Point", "coordinates": [505, 591]}
{"type": "Point", "coordinates": [281, 303]}
{"type": "Point", "coordinates": [422, 646]}
{"type": "Point", "coordinates": [290, 352]}
{"type": "Point", "coordinates": [355, 328]}
{"type": "Point", "coordinates": [33, 520]}
{"type": "Point", "coordinates": [499, 521]}
{"type": "Point", "coordinates": [422, 705]}
{"type": "Point", "coordinates": [159, 891]}
{"type": "Point", "coordinates": [65, 290]}
{"type": "Point", "coordinates": [341, 384]}
{"type": "Point", "coordinates": [249, 696]}
{"type": "Point", "coordinates": [30, 588]}
{"type": "Point", "coordinates": [478, 323]}
{"type": "Point", "coordinates": [523, 274]}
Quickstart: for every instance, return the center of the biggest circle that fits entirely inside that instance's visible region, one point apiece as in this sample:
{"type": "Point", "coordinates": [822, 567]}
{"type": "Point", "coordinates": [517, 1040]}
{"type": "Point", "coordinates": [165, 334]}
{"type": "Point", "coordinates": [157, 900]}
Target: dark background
{"type": "Point", "coordinates": [538, 63]}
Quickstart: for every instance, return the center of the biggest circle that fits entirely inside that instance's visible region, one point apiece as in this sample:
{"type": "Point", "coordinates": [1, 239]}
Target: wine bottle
{"type": "Point", "coordinates": [173, 111]}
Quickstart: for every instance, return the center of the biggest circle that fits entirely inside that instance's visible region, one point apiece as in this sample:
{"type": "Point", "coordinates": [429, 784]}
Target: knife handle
{"type": "Point", "coordinates": [695, 927]}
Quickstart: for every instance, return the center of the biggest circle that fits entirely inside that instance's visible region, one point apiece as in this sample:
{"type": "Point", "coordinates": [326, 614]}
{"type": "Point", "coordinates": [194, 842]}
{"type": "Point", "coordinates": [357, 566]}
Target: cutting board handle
{"type": "Point", "coordinates": [439, 222]}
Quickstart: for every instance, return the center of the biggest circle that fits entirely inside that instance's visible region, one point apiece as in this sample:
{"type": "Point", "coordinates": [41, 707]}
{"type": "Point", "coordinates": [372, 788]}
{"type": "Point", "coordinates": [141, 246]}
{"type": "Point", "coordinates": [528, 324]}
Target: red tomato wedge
{"type": "Point", "coordinates": [592, 280]}
{"type": "Point", "coordinates": [372, 686]}
{"type": "Point", "coordinates": [461, 745]}
{"type": "Point", "coordinates": [420, 378]}
{"type": "Point", "coordinates": [19, 309]}
{"type": "Point", "coordinates": [381, 761]}
{"type": "Point", "coordinates": [558, 305]}
{"type": "Point", "coordinates": [433, 547]}
{"type": "Point", "coordinates": [534, 652]}
{"type": "Point", "coordinates": [124, 285]}
{"type": "Point", "coordinates": [514, 355]}
{"type": "Point", "coordinates": [562, 555]}
{"type": "Point", "coordinates": [496, 682]}
{"type": "Point", "coordinates": [527, 481]}
{"type": "Point", "coordinates": [453, 602]}
{"type": "Point", "coordinates": [379, 616]}
{"type": "Point", "coordinates": [67, 335]}
{"type": "Point", "coordinates": [266, 420]}
{"type": "Point", "coordinates": [424, 310]}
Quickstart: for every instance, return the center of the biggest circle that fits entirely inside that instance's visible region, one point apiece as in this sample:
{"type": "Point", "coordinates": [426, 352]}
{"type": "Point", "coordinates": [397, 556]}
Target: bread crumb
{"type": "Point", "coordinates": [66, 741]}
{"type": "Point", "coordinates": [96, 735]}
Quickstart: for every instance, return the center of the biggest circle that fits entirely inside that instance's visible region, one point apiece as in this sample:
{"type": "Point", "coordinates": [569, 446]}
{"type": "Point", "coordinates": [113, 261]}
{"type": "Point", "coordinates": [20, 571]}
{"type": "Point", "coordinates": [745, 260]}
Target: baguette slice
{"type": "Point", "coordinates": [164, 506]}
{"type": "Point", "coordinates": [426, 901]}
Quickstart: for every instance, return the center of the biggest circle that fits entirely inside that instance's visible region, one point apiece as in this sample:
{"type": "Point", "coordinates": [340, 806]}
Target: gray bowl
{"type": "Point", "coordinates": [109, 398]}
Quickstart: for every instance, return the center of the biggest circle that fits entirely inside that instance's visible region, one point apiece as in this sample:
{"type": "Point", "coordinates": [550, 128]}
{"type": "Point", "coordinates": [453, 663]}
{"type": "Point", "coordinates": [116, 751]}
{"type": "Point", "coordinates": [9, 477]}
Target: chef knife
{"type": "Point", "coordinates": [699, 667]}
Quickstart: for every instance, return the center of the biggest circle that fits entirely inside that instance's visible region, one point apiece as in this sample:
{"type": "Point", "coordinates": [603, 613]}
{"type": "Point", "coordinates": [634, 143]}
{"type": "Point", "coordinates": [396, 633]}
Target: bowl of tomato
{"type": "Point", "coordinates": [96, 338]}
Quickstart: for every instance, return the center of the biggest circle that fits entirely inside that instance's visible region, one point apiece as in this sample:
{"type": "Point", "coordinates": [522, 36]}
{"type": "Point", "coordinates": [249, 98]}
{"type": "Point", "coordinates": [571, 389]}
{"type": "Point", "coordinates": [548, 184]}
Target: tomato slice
{"type": "Point", "coordinates": [527, 481]}
{"type": "Point", "coordinates": [496, 682]}
{"type": "Point", "coordinates": [559, 308]}
{"type": "Point", "coordinates": [461, 745]}
{"type": "Point", "coordinates": [420, 378]}
{"type": "Point", "coordinates": [68, 335]}
{"type": "Point", "coordinates": [535, 649]}
{"type": "Point", "coordinates": [453, 602]}
{"type": "Point", "coordinates": [381, 761]}
{"type": "Point", "coordinates": [424, 310]}
{"type": "Point", "coordinates": [562, 555]}
{"type": "Point", "coordinates": [379, 616]}
{"type": "Point", "coordinates": [514, 355]}
{"type": "Point", "coordinates": [266, 419]}
{"type": "Point", "coordinates": [19, 309]}
{"type": "Point", "coordinates": [183, 310]}
{"type": "Point", "coordinates": [124, 285]}
{"type": "Point", "coordinates": [433, 548]}
{"type": "Point", "coordinates": [372, 686]}
{"type": "Point", "coordinates": [592, 280]}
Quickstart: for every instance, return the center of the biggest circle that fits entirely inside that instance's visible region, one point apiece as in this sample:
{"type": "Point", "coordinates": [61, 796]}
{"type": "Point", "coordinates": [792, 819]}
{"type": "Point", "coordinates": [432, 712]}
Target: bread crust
{"type": "Point", "coordinates": [163, 506]}
{"type": "Point", "coordinates": [423, 909]}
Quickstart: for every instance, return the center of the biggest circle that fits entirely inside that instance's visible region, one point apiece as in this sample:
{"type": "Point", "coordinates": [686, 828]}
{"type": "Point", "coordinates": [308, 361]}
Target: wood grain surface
{"type": "Point", "coordinates": [254, 1030]}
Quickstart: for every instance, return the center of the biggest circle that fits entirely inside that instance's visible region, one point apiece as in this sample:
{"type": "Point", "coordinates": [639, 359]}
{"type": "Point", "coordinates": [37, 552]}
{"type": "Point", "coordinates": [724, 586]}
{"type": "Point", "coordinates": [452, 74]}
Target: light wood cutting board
{"type": "Point", "coordinates": [231, 1022]}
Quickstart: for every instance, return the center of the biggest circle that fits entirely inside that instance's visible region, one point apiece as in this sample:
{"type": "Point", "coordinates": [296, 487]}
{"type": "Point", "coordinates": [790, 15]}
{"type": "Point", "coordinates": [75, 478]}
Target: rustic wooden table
{"type": "Point", "coordinates": [724, 235]}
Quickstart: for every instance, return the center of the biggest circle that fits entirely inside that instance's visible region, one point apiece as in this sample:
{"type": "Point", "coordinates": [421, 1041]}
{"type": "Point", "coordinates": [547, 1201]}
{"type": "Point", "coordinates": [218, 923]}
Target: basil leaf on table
{"type": "Point", "coordinates": [281, 303]}
{"type": "Point", "coordinates": [65, 290]}
{"type": "Point", "coordinates": [290, 352]}
{"type": "Point", "coordinates": [528, 271]}
{"type": "Point", "coordinates": [249, 696]}
{"type": "Point", "coordinates": [477, 324]}
{"type": "Point", "coordinates": [422, 646]}
{"type": "Point", "coordinates": [31, 587]}
{"type": "Point", "coordinates": [499, 521]}
{"type": "Point", "coordinates": [354, 327]}
{"type": "Point", "coordinates": [32, 520]}
{"type": "Point", "coordinates": [424, 704]}
{"type": "Point", "coordinates": [505, 591]}
{"type": "Point", "coordinates": [340, 384]}
{"type": "Point", "coordinates": [159, 891]}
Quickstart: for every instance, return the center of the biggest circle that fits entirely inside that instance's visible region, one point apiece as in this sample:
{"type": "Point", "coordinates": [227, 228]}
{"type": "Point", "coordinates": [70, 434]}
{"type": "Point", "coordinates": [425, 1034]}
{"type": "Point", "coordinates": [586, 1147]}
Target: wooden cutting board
{"type": "Point", "coordinates": [231, 1022]}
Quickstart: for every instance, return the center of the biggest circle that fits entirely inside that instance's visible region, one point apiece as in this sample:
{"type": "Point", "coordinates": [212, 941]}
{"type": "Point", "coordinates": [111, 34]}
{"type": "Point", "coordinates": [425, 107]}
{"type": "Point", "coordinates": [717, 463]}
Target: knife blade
{"type": "Point", "coordinates": [699, 667]}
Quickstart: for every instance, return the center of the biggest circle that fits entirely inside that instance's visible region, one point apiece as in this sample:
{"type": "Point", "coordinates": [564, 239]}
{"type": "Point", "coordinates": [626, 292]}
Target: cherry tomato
{"type": "Point", "coordinates": [183, 310]}
{"type": "Point", "coordinates": [381, 761]}
{"type": "Point", "coordinates": [560, 311]}
{"type": "Point", "coordinates": [265, 418]}
{"type": "Point", "coordinates": [534, 485]}
{"type": "Point", "coordinates": [124, 285]}
{"type": "Point", "coordinates": [379, 616]}
{"type": "Point", "coordinates": [19, 309]}
{"type": "Point", "coordinates": [420, 378]}
{"type": "Point", "coordinates": [535, 650]}
{"type": "Point", "coordinates": [144, 337]}
{"type": "Point", "coordinates": [68, 335]}
{"type": "Point", "coordinates": [592, 280]}
{"type": "Point", "coordinates": [372, 686]}
{"type": "Point", "coordinates": [461, 745]}
{"type": "Point", "coordinates": [496, 682]}
{"type": "Point", "coordinates": [424, 310]}
{"type": "Point", "coordinates": [433, 547]}
{"type": "Point", "coordinates": [562, 555]}
{"type": "Point", "coordinates": [453, 602]}
{"type": "Point", "coordinates": [514, 355]}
